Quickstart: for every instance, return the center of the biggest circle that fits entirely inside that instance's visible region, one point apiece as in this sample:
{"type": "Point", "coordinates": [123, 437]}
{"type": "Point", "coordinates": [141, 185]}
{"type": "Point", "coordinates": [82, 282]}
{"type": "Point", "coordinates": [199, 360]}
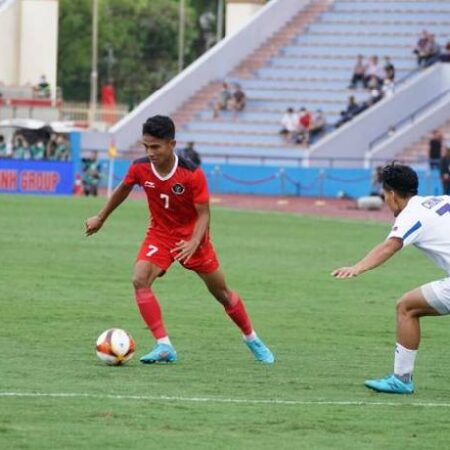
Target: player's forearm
{"type": "Point", "coordinates": [118, 196]}
{"type": "Point", "coordinates": [201, 226]}
{"type": "Point", "coordinates": [377, 256]}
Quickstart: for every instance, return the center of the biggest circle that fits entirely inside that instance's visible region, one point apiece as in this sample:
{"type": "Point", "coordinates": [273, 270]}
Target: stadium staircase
{"type": "Point", "coordinates": [309, 63]}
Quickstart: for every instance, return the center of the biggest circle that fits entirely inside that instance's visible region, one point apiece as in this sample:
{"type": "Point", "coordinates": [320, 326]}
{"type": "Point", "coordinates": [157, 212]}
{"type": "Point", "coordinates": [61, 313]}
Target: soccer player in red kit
{"type": "Point", "coordinates": [178, 200]}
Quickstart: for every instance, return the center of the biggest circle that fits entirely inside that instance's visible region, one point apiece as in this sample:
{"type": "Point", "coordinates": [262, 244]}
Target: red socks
{"type": "Point", "coordinates": [238, 314]}
{"type": "Point", "coordinates": [150, 311]}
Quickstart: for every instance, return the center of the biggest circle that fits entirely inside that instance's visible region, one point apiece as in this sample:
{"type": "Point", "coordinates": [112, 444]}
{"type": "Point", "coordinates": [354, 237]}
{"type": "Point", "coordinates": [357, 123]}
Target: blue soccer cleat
{"type": "Point", "coordinates": [261, 352]}
{"type": "Point", "coordinates": [391, 385]}
{"type": "Point", "coordinates": [161, 353]}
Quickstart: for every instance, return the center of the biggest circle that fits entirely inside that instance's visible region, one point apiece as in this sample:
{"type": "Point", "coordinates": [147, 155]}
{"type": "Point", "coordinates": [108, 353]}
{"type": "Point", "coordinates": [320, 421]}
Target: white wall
{"type": "Point", "coordinates": [238, 14]}
{"type": "Point", "coordinates": [28, 41]}
{"type": "Point", "coordinates": [39, 38]}
{"type": "Point", "coordinates": [9, 42]}
{"type": "Point", "coordinates": [213, 65]}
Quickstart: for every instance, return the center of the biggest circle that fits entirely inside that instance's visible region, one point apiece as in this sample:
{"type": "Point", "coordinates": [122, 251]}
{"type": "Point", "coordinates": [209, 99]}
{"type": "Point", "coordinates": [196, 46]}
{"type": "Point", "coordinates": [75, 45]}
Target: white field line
{"type": "Point", "coordinates": [164, 398]}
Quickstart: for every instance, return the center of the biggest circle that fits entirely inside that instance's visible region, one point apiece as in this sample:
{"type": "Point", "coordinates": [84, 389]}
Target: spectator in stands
{"type": "Point", "coordinates": [421, 47]}
{"type": "Point", "coordinates": [359, 73]}
{"type": "Point", "coordinates": [289, 124]}
{"type": "Point", "coordinates": [303, 126]}
{"type": "Point", "coordinates": [389, 69]}
{"type": "Point", "coordinates": [445, 54]}
{"type": "Point", "coordinates": [3, 148]}
{"type": "Point", "coordinates": [432, 51]}
{"type": "Point", "coordinates": [351, 111]}
{"type": "Point", "coordinates": [43, 88]}
{"type": "Point", "coordinates": [37, 150]}
{"type": "Point", "coordinates": [223, 100]}
{"type": "Point", "coordinates": [435, 149]}
{"type": "Point", "coordinates": [318, 125]}
{"type": "Point", "coordinates": [190, 154]}
{"type": "Point", "coordinates": [238, 98]}
{"type": "Point", "coordinates": [388, 88]}
{"type": "Point", "coordinates": [445, 172]}
{"type": "Point", "coordinates": [61, 152]}
{"type": "Point", "coordinates": [374, 73]}
{"type": "Point", "coordinates": [21, 149]}
{"type": "Point", "coordinates": [91, 174]}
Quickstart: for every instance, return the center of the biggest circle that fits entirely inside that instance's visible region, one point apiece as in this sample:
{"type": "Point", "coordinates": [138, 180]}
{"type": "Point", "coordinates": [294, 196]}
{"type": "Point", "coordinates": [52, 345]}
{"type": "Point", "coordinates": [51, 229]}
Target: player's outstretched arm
{"type": "Point", "coordinates": [377, 256]}
{"type": "Point", "coordinates": [94, 223]}
{"type": "Point", "coordinates": [183, 250]}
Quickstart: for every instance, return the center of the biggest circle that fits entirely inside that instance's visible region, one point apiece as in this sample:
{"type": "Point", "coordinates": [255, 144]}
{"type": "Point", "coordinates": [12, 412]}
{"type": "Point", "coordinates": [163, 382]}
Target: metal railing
{"type": "Point", "coordinates": [410, 118]}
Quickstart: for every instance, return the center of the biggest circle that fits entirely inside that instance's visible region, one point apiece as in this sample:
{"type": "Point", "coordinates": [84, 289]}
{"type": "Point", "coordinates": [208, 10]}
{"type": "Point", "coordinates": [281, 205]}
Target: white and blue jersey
{"type": "Point", "coordinates": [425, 223]}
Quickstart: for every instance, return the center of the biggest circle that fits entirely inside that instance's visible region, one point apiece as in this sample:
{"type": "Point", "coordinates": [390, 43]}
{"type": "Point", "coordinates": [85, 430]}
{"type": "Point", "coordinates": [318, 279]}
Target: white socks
{"type": "Point", "coordinates": [250, 337]}
{"type": "Point", "coordinates": [404, 362]}
{"type": "Point", "coordinates": [164, 340]}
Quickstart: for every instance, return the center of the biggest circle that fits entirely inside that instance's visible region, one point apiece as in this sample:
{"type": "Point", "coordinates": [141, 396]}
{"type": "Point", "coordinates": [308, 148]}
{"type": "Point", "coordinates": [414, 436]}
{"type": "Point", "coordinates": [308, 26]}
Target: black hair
{"type": "Point", "coordinates": [399, 178]}
{"type": "Point", "coordinates": [161, 127]}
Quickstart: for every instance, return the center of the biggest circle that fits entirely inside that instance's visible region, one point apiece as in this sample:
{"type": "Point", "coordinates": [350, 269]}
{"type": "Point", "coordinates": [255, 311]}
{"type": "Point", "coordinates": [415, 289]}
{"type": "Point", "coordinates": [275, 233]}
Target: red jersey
{"type": "Point", "coordinates": [171, 199]}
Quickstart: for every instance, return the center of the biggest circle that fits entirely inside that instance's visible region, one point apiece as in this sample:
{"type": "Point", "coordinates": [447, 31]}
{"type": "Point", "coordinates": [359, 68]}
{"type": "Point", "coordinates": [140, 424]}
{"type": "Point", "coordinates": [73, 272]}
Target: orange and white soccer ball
{"type": "Point", "coordinates": [115, 347]}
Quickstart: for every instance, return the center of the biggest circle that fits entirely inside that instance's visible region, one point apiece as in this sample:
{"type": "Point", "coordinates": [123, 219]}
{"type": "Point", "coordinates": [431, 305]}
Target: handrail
{"type": "Point", "coordinates": [411, 117]}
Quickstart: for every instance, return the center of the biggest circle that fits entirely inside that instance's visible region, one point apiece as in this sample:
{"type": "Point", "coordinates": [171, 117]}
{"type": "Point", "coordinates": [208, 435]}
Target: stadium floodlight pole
{"type": "Point", "coordinates": [181, 28]}
{"type": "Point", "coordinates": [94, 73]}
{"type": "Point", "coordinates": [220, 7]}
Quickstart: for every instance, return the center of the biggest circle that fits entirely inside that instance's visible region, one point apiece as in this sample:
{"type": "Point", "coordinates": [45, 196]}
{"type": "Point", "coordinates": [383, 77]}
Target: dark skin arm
{"type": "Point", "coordinates": [183, 250]}
{"type": "Point", "coordinates": [94, 223]}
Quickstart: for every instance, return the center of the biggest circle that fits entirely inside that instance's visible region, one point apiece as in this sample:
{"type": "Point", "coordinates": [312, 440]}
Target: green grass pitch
{"type": "Point", "coordinates": [59, 290]}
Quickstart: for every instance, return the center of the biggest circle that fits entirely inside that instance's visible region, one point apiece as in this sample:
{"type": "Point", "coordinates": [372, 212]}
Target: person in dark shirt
{"type": "Point", "coordinates": [191, 154]}
{"type": "Point", "coordinates": [435, 150]}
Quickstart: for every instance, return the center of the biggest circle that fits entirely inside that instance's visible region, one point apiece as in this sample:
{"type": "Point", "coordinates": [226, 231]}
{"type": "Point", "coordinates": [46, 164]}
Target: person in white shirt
{"type": "Point", "coordinates": [289, 124]}
{"type": "Point", "coordinates": [425, 223]}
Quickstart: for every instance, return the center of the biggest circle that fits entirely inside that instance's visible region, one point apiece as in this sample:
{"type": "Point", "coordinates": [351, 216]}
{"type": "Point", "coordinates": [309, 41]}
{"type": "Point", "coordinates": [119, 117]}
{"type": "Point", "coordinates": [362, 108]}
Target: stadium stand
{"type": "Point", "coordinates": [309, 63]}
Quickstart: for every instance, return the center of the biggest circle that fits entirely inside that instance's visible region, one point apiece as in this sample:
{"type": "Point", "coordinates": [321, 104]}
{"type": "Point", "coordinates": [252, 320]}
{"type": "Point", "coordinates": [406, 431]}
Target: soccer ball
{"type": "Point", "coordinates": [115, 347]}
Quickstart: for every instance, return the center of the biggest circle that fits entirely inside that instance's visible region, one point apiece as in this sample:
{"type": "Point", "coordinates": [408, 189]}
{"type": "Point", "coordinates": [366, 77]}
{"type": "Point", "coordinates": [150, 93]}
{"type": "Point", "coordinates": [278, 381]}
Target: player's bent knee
{"type": "Point", "coordinates": [140, 281]}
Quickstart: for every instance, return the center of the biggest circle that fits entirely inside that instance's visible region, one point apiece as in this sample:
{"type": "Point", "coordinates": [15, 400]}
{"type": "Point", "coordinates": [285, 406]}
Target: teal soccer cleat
{"type": "Point", "coordinates": [261, 352]}
{"type": "Point", "coordinates": [161, 353]}
{"type": "Point", "coordinates": [391, 385]}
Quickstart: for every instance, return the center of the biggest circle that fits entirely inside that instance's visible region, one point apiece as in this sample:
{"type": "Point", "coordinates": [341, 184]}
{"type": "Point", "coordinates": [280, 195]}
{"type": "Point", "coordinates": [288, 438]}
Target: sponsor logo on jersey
{"type": "Point", "coordinates": [178, 188]}
{"type": "Point", "coordinates": [431, 202]}
{"type": "Point", "coordinates": [149, 184]}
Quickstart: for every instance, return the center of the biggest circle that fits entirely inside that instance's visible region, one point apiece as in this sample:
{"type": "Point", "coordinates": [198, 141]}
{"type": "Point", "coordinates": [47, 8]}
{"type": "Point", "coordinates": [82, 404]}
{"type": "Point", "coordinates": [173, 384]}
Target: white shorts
{"type": "Point", "coordinates": [437, 295]}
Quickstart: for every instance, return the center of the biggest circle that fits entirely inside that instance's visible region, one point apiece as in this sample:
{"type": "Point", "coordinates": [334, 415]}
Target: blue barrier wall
{"type": "Point", "coordinates": [36, 177]}
{"type": "Point", "coordinates": [310, 182]}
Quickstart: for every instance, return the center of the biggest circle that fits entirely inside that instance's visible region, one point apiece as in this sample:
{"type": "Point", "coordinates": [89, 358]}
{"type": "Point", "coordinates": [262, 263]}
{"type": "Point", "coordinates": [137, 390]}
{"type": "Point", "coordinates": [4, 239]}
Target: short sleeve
{"type": "Point", "coordinates": [407, 228]}
{"type": "Point", "coordinates": [131, 178]}
{"type": "Point", "coordinates": [200, 187]}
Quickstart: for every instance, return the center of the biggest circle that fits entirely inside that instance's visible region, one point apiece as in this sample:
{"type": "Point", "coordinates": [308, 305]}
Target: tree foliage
{"type": "Point", "coordinates": [141, 35]}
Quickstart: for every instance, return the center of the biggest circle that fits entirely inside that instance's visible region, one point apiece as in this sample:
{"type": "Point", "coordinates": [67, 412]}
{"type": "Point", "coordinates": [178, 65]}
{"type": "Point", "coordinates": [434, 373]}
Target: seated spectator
{"type": "Point", "coordinates": [432, 51]}
{"type": "Point", "coordinates": [359, 73]}
{"type": "Point", "coordinates": [238, 98]}
{"type": "Point", "coordinates": [43, 88]}
{"type": "Point", "coordinates": [303, 126]}
{"type": "Point", "coordinates": [3, 148]}
{"type": "Point", "coordinates": [389, 69]}
{"type": "Point", "coordinates": [21, 149]}
{"type": "Point", "coordinates": [190, 154]}
{"type": "Point", "coordinates": [223, 100]}
{"type": "Point", "coordinates": [91, 175]}
{"type": "Point", "coordinates": [318, 125]}
{"type": "Point", "coordinates": [374, 73]}
{"type": "Point", "coordinates": [351, 111]}
{"type": "Point", "coordinates": [289, 124]}
{"type": "Point", "coordinates": [435, 145]}
{"type": "Point", "coordinates": [420, 48]}
{"type": "Point", "coordinates": [37, 151]}
{"type": "Point", "coordinates": [445, 54]}
{"type": "Point", "coordinates": [61, 151]}
{"type": "Point", "coordinates": [388, 88]}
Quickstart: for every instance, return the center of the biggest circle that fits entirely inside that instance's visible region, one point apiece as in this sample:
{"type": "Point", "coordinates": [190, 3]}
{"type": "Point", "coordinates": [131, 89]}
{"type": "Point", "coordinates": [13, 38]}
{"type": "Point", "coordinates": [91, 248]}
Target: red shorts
{"type": "Point", "coordinates": [156, 250]}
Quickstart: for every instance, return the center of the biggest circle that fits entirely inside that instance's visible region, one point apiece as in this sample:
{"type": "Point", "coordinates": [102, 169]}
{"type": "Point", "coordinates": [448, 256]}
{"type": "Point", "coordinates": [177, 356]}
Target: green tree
{"type": "Point", "coordinates": [142, 34]}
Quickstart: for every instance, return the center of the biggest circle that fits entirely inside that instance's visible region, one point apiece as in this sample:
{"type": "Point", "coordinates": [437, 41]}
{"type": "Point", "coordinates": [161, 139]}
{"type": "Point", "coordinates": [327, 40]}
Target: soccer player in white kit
{"type": "Point", "coordinates": [425, 223]}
